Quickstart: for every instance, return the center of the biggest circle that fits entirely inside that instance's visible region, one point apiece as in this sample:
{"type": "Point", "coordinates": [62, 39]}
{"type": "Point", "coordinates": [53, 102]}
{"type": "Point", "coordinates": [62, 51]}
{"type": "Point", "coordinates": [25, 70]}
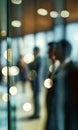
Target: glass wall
{"type": "Point", "coordinates": [16, 95]}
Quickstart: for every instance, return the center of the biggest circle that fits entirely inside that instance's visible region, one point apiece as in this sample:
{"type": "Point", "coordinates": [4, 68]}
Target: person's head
{"type": "Point", "coordinates": [63, 50]}
{"type": "Point", "coordinates": [36, 50]}
{"type": "Point", "coordinates": [51, 51]}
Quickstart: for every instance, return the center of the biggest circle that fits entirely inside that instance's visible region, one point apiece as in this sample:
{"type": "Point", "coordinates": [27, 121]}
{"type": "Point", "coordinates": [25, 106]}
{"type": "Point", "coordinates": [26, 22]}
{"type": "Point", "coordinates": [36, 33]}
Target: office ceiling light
{"type": "Point", "coordinates": [65, 13]}
{"type": "Point", "coordinates": [16, 1]}
{"type": "Point", "coordinates": [42, 12]}
{"type": "Point", "coordinates": [16, 23]}
{"type": "Point", "coordinates": [54, 14]}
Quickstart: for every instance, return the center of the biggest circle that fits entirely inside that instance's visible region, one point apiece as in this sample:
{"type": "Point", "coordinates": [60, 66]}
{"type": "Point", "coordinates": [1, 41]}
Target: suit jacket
{"type": "Point", "coordinates": [66, 95]}
{"type": "Point", "coordinates": [62, 98]}
{"type": "Point", "coordinates": [36, 66]}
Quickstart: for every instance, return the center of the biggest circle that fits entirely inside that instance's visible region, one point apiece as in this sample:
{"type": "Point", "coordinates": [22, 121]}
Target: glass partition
{"type": "Point", "coordinates": [24, 36]}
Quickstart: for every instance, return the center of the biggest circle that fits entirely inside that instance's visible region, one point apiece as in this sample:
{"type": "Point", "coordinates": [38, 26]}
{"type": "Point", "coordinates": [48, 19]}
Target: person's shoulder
{"type": "Point", "coordinates": [75, 65]}
{"type": "Point", "coordinates": [72, 65]}
{"type": "Point", "coordinates": [73, 70]}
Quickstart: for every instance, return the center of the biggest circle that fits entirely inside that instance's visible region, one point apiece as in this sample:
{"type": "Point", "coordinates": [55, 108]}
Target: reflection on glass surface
{"type": "Point", "coordinates": [48, 83]}
{"type": "Point", "coordinates": [28, 58]}
{"type": "Point", "coordinates": [9, 52]}
{"type": "Point", "coordinates": [3, 33]}
{"type": "Point", "coordinates": [14, 70]}
{"type": "Point", "coordinates": [21, 103]}
{"type": "Point", "coordinates": [13, 90]}
{"type": "Point", "coordinates": [5, 97]}
{"type": "Point", "coordinates": [27, 107]}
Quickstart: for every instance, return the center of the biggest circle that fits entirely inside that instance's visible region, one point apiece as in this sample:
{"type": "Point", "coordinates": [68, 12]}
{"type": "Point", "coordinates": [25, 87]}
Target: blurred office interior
{"type": "Point", "coordinates": [25, 24]}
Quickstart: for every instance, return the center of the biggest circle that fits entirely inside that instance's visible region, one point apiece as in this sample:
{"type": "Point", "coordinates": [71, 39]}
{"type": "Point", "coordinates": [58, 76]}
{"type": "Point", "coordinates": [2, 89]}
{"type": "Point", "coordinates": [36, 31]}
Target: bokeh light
{"type": "Point", "coordinates": [13, 90]}
{"type": "Point", "coordinates": [27, 106]}
{"type": "Point", "coordinates": [48, 83]}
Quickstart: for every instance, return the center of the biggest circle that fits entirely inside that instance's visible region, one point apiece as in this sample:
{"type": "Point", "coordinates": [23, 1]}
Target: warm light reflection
{"type": "Point", "coordinates": [4, 70]}
{"type": "Point", "coordinates": [27, 107]}
{"type": "Point", "coordinates": [65, 13]}
{"type": "Point", "coordinates": [54, 14]}
{"type": "Point", "coordinates": [51, 68]}
{"type": "Point", "coordinates": [28, 58]}
{"type": "Point", "coordinates": [16, 1]}
{"type": "Point", "coordinates": [8, 53]}
{"type": "Point", "coordinates": [48, 83]}
{"type": "Point", "coordinates": [13, 90]}
{"type": "Point", "coordinates": [3, 33]}
{"type": "Point", "coordinates": [14, 70]}
{"type": "Point", "coordinates": [5, 79]}
{"type": "Point", "coordinates": [5, 97]}
{"type": "Point", "coordinates": [16, 23]}
{"type": "Point", "coordinates": [42, 12]}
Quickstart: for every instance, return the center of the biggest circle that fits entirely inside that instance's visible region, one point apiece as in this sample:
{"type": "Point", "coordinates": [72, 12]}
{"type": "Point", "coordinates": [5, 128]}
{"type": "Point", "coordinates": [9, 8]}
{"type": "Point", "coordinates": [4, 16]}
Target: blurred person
{"type": "Point", "coordinates": [50, 98]}
{"type": "Point", "coordinates": [66, 88]}
{"type": "Point", "coordinates": [35, 68]}
{"type": "Point", "coordinates": [24, 71]}
{"type": "Point", "coordinates": [62, 97]}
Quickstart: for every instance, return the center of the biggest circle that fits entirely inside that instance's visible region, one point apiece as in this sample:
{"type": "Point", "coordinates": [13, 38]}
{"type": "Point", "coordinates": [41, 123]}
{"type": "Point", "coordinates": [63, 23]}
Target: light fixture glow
{"type": "Point", "coordinates": [9, 52]}
{"type": "Point", "coordinates": [28, 58]}
{"type": "Point", "coordinates": [42, 12]}
{"type": "Point", "coordinates": [16, 23]}
{"type": "Point", "coordinates": [27, 107]}
{"type": "Point", "coordinates": [51, 68]}
{"type": "Point", "coordinates": [54, 14]}
{"type": "Point", "coordinates": [13, 90]}
{"type": "Point", "coordinates": [65, 13]}
{"type": "Point", "coordinates": [3, 33]}
{"type": "Point", "coordinates": [4, 70]}
{"type": "Point", "coordinates": [5, 97]}
{"type": "Point", "coordinates": [14, 70]}
{"type": "Point", "coordinates": [48, 83]}
{"type": "Point", "coordinates": [16, 1]}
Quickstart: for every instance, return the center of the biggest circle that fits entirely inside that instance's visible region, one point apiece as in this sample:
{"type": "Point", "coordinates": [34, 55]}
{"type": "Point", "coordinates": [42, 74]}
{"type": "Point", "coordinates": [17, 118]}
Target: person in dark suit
{"type": "Point", "coordinates": [66, 88]}
{"type": "Point", "coordinates": [24, 71]}
{"type": "Point", "coordinates": [50, 98]}
{"type": "Point", "coordinates": [35, 68]}
{"type": "Point", "coordinates": [62, 98]}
